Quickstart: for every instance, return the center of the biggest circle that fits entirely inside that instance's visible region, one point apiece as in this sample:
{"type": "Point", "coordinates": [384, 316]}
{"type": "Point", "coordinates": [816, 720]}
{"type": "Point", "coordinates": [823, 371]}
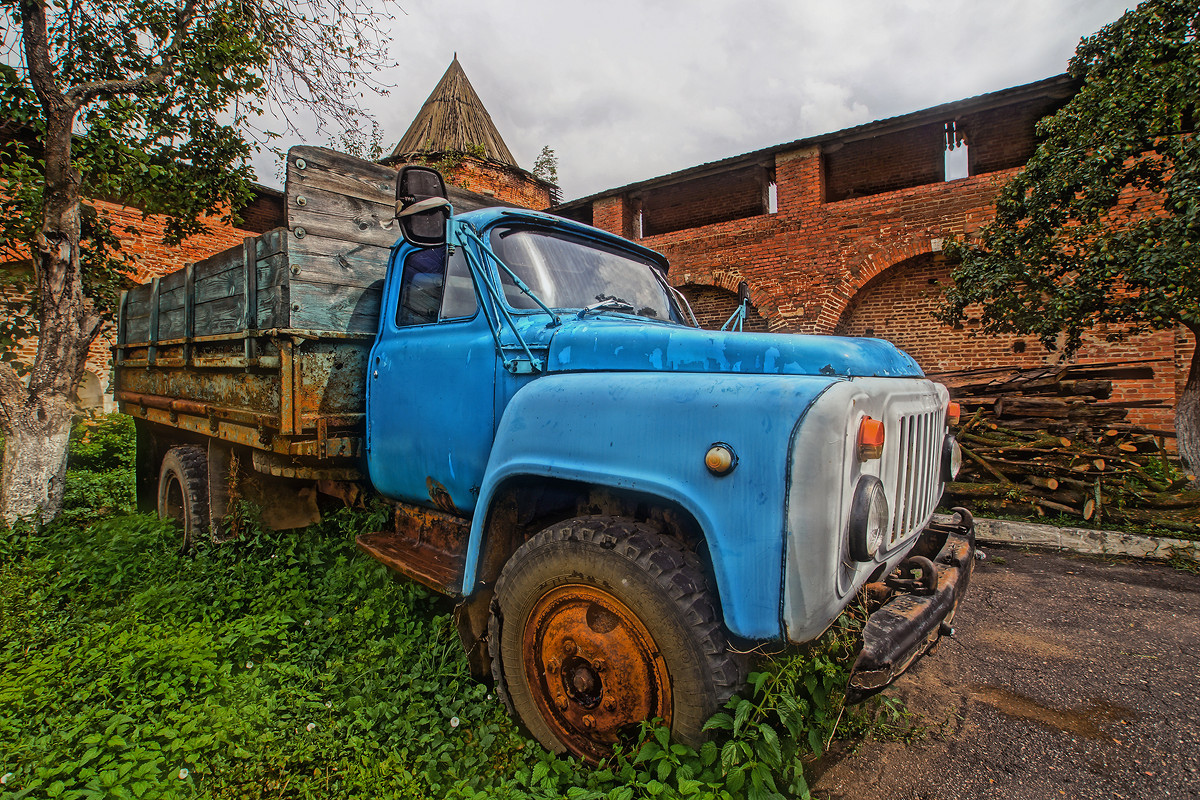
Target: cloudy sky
{"type": "Point", "coordinates": [624, 91]}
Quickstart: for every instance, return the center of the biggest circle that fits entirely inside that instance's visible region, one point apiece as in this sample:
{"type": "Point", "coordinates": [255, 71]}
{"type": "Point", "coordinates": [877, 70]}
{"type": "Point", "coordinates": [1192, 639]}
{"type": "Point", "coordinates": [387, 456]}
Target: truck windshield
{"type": "Point", "coordinates": [567, 272]}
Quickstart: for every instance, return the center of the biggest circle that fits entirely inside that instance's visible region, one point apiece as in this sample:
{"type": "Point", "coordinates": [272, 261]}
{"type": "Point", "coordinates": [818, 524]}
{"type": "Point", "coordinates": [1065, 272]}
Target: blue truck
{"type": "Point", "coordinates": [623, 505]}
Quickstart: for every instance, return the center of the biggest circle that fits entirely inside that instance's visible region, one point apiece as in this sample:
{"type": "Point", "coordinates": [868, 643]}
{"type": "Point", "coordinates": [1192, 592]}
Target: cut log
{"type": "Point", "coordinates": [1043, 483]}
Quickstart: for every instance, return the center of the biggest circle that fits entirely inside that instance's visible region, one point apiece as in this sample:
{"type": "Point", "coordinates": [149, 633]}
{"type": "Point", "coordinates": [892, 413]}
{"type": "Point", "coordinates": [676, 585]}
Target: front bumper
{"type": "Point", "coordinates": [910, 623]}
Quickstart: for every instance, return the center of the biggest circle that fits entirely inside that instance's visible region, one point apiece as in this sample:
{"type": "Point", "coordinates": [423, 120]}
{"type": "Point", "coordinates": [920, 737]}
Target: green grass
{"type": "Point", "coordinates": [290, 665]}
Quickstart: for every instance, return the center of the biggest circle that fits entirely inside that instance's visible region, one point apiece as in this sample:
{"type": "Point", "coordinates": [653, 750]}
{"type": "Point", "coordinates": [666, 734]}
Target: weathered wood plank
{"type": "Point", "coordinates": [169, 300]}
{"type": "Point", "coordinates": [138, 302]}
{"type": "Point", "coordinates": [219, 286]}
{"type": "Point", "coordinates": [273, 307]}
{"type": "Point", "coordinates": [137, 329]}
{"type": "Point", "coordinates": [171, 282]}
{"type": "Point", "coordinates": [330, 170]}
{"type": "Point", "coordinates": [216, 264]}
{"type": "Point", "coordinates": [339, 262]}
{"type": "Point", "coordinates": [218, 316]}
{"type": "Point", "coordinates": [273, 271]}
{"type": "Point", "coordinates": [340, 217]}
{"type": "Point", "coordinates": [268, 244]}
{"type": "Point", "coordinates": [323, 306]}
{"type": "Point", "coordinates": [172, 324]}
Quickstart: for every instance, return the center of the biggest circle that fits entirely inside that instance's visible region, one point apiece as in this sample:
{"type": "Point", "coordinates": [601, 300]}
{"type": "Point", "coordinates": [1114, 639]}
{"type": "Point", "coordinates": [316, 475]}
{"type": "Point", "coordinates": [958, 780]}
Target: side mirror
{"type": "Point", "coordinates": [743, 292]}
{"type": "Point", "coordinates": [421, 206]}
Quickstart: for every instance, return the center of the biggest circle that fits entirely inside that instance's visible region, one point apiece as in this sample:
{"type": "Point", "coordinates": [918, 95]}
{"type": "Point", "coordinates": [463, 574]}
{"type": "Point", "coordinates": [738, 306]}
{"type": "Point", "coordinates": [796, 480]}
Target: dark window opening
{"type": "Point", "coordinates": [429, 291]}
{"type": "Point", "coordinates": [737, 193]}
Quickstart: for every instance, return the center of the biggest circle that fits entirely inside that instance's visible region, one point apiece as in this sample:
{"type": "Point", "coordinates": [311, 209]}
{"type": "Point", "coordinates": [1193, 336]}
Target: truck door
{"type": "Point", "coordinates": [431, 388]}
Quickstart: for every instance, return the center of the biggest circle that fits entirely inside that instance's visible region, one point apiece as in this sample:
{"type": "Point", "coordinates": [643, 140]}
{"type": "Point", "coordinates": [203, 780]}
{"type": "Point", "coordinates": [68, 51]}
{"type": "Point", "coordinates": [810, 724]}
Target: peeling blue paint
{"type": "Point", "coordinates": [611, 345]}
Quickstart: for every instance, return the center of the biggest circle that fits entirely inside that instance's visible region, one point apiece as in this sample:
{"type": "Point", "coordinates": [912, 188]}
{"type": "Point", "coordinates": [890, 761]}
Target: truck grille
{"type": "Point", "coordinates": [918, 477]}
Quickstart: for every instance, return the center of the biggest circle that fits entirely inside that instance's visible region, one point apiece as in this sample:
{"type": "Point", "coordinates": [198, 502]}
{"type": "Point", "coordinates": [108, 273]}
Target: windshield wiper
{"type": "Point", "coordinates": [611, 304]}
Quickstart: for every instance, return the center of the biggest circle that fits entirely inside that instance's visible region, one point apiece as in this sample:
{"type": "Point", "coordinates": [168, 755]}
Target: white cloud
{"type": "Point", "coordinates": [626, 90]}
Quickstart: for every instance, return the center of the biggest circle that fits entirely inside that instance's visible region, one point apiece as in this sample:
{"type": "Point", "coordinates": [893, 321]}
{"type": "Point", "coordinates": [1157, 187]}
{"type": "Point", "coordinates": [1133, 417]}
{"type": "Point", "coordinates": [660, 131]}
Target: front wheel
{"type": "Point", "coordinates": [599, 623]}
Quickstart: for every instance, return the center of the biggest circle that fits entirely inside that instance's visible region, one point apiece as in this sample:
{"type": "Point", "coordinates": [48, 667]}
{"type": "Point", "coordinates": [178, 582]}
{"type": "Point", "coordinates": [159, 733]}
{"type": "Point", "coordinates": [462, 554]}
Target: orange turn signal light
{"type": "Point", "coordinates": [870, 439]}
{"type": "Point", "coordinates": [953, 413]}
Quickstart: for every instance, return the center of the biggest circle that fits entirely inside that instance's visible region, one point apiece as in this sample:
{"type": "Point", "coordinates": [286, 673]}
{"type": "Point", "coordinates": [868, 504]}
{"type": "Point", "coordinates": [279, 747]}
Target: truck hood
{"type": "Point", "coordinates": [599, 345]}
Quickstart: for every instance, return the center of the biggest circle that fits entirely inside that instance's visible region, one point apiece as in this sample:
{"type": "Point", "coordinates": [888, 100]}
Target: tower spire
{"type": "Point", "coordinates": [453, 120]}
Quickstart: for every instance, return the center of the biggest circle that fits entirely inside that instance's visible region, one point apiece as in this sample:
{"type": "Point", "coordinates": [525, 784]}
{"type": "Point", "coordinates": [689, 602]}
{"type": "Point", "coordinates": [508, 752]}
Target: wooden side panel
{"type": "Point", "coordinates": [326, 306]}
{"type": "Point", "coordinates": [345, 209]}
{"type": "Point", "coordinates": [220, 288]}
{"type": "Point", "coordinates": [324, 272]}
{"type": "Point", "coordinates": [136, 322]}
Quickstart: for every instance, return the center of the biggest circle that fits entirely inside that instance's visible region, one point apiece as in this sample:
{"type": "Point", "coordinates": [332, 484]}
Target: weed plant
{"type": "Point", "coordinates": [290, 665]}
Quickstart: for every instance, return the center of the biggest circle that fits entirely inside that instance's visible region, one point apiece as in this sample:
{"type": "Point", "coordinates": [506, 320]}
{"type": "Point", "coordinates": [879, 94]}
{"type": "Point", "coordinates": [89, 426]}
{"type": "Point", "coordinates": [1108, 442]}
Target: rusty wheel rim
{"type": "Point", "coordinates": [593, 668]}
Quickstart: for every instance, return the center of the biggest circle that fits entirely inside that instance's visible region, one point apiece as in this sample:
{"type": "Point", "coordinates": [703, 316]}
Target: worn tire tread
{"type": "Point", "coordinates": [190, 463]}
{"type": "Point", "coordinates": [678, 572]}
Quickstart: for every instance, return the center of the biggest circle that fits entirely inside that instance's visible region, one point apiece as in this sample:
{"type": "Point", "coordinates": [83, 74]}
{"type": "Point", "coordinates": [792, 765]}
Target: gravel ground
{"type": "Point", "coordinates": [1068, 676]}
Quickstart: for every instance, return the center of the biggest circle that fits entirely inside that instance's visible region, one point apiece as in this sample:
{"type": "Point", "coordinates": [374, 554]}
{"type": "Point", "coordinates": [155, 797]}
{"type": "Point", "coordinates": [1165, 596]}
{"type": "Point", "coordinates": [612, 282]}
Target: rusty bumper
{"type": "Point", "coordinates": [910, 623]}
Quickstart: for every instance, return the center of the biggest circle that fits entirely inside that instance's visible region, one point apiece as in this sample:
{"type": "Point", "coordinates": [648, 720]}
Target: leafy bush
{"type": "Point", "coordinates": [100, 464]}
{"type": "Point", "coordinates": [102, 443]}
{"type": "Point", "coordinates": [291, 665]}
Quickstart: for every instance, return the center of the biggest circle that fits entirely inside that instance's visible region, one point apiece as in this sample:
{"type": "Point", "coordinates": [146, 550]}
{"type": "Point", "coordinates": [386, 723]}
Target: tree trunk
{"type": "Point", "coordinates": [1187, 411]}
{"type": "Point", "coordinates": [36, 420]}
{"type": "Point", "coordinates": [35, 457]}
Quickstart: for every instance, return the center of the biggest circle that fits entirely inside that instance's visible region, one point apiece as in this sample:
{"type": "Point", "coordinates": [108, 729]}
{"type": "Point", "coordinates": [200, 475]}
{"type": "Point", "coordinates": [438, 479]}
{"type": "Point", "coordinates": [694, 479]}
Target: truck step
{"type": "Point", "coordinates": [434, 567]}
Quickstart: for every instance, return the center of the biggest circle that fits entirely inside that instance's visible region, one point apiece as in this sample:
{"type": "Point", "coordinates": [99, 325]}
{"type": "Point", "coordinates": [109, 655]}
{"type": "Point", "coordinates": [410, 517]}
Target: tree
{"type": "Point", "coordinates": [1102, 226]}
{"type": "Point", "coordinates": [546, 165]}
{"type": "Point", "coordinates": [149, 101]}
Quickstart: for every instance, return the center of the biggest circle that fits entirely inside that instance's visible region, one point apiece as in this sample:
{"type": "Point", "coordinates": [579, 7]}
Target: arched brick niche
{"type": "Point", "coordinates": [898, 305]}
{"type": "Point", "coordinates": [713, 305]}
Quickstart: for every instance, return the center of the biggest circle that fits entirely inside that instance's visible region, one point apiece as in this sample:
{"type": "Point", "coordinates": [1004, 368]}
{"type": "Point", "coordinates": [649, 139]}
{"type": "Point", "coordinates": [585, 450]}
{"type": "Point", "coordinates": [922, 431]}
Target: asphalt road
{"type": "Point", "coordinates": [1067, 677]}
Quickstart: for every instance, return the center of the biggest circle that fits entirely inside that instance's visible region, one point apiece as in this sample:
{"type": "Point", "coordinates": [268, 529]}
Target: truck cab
{"type": "Point", "coordinates": [542, 383]}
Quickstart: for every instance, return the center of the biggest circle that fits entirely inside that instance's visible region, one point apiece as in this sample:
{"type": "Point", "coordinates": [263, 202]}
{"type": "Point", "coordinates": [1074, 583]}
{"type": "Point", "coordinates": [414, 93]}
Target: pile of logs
{"type": "Point", "coordinates": [1050, 441]}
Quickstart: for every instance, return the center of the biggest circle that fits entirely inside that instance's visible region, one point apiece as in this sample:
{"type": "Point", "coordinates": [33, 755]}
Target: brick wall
{"type": "Point", "coordinates": [704, 201]}
{"type": "Point", "coordinates": [498, 180]}
{"type": "Point", "coordinates": [898, 305]}
{"type": "Point", "coordinates": [886, 163]}
{"type": "Point", "coordinates": [821, 265]}
{"type": "Point", "coordinates": [713, 306]}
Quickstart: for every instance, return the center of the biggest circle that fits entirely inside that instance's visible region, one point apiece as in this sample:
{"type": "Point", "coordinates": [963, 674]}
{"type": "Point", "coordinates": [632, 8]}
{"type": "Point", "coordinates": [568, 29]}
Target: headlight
{"type": "Point", "coordinates": [951, 458]}
{"type": "Point", "coordinates": [868, 519]}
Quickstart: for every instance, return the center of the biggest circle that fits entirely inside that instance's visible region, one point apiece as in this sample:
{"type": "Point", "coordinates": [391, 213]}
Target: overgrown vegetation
{"type": "Point", "coordinates": [290, 665]}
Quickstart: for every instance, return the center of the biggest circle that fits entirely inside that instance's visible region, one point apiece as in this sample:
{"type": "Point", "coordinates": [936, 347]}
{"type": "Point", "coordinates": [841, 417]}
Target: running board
{"type": "Point", "coordinates": [430, 548]}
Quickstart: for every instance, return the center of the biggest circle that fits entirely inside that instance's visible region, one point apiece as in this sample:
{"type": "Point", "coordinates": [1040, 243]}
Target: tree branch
{"type": "Point", "coordinates": [37, 55]}
{"type": "Point", "coordinates": [77, 96]}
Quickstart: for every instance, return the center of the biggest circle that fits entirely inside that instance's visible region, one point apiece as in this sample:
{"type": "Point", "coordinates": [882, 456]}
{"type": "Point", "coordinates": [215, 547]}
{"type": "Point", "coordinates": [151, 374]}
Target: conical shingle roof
{"type": "Point", "coordinates": [453, 120]}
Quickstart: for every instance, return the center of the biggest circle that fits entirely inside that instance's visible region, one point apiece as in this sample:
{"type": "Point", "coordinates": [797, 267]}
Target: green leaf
{"type": "Point", "coordinates": [719, 721]}
{"type": "Point", "coordinates": [814, 742]}
{"type": "Point", "coordinates": [741, 714]}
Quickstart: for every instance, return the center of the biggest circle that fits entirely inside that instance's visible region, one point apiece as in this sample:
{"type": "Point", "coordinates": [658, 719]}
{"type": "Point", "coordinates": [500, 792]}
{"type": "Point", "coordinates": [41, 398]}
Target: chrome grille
{"type": "Point", "coordinates": [918, 478]}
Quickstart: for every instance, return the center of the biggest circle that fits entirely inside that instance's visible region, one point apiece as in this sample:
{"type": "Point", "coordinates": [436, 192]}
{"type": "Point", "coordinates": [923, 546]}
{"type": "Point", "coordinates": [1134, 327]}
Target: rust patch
{"type": "Point", "coordinates": [593, 669]}
{"type": "Point", "coordinates": [1086, 722]}
{"type": "Point", "coordinates": [439, 495]}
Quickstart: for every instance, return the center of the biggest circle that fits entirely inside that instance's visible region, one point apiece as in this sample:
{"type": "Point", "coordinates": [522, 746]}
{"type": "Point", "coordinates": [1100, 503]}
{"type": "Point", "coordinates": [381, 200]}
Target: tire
{"type": "Point", "coordinates": [183, 492]}
{"type": "Point", "coordinates": [599, 623]}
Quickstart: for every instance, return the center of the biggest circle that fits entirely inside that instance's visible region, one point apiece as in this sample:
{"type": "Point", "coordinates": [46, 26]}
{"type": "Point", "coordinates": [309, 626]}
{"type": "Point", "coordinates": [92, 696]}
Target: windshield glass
{"type": "Point", "coordinates": [571, 272]}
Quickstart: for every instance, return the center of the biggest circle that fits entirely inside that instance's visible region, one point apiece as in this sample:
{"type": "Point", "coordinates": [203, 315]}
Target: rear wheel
{"type": "Point", "coordinates": [599, 623]}
{"type": "Point", "coordinates": [183, 491]}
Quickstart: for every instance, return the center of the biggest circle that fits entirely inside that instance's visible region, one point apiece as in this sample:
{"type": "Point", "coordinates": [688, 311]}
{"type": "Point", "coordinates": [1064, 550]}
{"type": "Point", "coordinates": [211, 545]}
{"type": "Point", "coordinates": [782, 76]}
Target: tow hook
{"type": "Point", "coordinates": [915, 575]}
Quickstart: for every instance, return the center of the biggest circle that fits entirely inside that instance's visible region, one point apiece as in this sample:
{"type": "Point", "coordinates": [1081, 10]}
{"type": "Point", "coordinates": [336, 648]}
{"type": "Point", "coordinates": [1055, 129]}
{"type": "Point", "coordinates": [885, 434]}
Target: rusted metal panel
{"type": "Point", "coordinates": [428, 546]}
{"type": "Point", "coordinates": [333, 380]}
{"type": "Point", "coordinates": [282, 466]}
{"type": "Point", "coordinates": [910, 623]}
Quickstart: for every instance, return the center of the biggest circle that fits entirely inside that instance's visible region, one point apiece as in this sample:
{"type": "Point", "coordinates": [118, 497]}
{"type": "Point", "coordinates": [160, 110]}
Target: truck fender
{"type": "Point", "coordinates": [649, 434]}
